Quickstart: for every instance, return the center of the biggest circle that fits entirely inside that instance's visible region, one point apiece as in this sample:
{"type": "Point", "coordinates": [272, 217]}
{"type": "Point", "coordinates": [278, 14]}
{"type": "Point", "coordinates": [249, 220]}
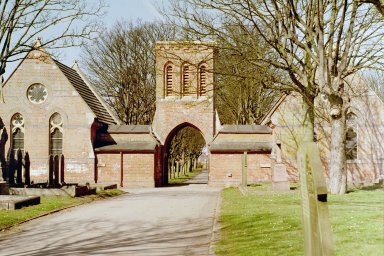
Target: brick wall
{"type": "Point", "coordinates": [138, 169]}
{"type": "Point", "coordinates": [225, 169]}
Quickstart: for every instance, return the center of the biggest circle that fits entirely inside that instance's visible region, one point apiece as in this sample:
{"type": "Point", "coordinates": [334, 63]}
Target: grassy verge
{"type": "Point", "coordinates": [182, 178]}
{"type": "Point", "coordinates": [49, 204]}
{"type": "Point", "coordinates": [271, 224]}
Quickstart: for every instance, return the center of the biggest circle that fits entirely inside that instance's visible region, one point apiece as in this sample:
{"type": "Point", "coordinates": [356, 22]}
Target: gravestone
{"type": "Point", "coordinates": [317, 227]}
{"type": "Point", "coordinates": [4, 188]}
{"type": "Point", "coordinates": [244, 170]}
{"type": "Point", "coordinates": [280, 178]}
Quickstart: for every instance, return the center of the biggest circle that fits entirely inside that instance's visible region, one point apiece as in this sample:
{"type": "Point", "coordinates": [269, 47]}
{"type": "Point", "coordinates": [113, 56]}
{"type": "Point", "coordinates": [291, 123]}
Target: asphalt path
{"type": "Point", "coordinates": [168, 221]}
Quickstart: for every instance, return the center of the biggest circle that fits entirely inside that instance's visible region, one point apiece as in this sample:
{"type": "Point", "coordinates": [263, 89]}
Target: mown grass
{"type": "Point", "coordinates": [183, 178]}
{"type": "Point", "coordinates": [50, 204]}
{"type": "Point", "coordinates": [271, 224]}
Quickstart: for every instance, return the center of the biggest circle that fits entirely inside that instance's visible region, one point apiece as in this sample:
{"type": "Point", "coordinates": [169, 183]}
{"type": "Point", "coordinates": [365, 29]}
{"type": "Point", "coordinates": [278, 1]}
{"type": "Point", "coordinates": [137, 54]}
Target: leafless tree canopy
{"type": "Point", "coordinates": [185, 148]}
{"type": "Point", "coordinates": [317, 44]}
{"type": "Point", "coordinates": [121, 64]}
{"type": "Point", "coordinates": [240, 94]}
{"type": "Point", "coordinates": [63, 23]}
{"type": "Point", "coordinates": [376, 81]}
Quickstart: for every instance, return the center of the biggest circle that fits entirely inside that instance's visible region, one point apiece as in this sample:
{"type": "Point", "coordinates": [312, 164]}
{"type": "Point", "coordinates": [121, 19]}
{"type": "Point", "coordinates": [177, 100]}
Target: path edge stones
{"type": "Point", "coordinates": [215, 226]}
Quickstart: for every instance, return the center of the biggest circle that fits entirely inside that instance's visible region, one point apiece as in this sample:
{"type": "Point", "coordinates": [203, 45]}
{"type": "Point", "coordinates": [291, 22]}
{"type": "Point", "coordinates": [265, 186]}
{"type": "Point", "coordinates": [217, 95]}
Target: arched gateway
{"type": "Point", "coordinates": [184, 93]}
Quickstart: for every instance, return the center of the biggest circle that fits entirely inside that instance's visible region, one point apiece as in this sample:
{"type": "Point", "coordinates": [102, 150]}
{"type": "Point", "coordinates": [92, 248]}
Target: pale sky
{"type": "Point", "coordinates": [118, 10]}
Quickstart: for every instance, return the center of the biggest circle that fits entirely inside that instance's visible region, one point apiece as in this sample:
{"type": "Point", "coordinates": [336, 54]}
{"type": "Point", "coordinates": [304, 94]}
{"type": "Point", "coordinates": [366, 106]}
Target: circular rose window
{"type": "Point", "coordinates": [37, 93]}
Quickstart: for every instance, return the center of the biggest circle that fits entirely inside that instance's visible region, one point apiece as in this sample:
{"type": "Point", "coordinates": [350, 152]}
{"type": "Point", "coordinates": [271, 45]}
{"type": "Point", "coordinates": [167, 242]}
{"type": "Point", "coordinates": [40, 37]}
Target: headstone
{"type": "Point", "coordinates": [280, 178]}
{"type": "Point", "coordinates": [19, 167]}
{"type": "Point", "coordinates": [62, 169]}
{"type": "Point", "coordinates": [3, 140]}
{"type": "Point", "coordinates": [11, 167]}
{"type": "Point", "coordinates": [4, 188]}
{"type": "Point", "coordinates": [244, 170]}
{"type": "Point", "coordinates": [50, 171]}
{"type": "Point", "coordinates": [56, 170]}
{"type": "Point", "coordinates": [27, 168]}
{"type": "Point", "coordinates": [317, 227]}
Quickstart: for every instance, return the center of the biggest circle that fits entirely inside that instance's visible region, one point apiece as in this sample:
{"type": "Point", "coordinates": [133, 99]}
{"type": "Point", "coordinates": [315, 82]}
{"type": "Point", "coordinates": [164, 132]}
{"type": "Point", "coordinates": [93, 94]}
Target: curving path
{"type": "Point", "coordinates": [157, 221]}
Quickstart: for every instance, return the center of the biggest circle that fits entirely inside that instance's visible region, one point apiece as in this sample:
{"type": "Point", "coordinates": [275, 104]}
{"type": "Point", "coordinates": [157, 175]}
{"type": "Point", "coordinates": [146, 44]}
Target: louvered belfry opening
{"type": "Point", "coordinates": [202, 80]}
{"type": "Point", "coordinates": [169, 80]}
{"type": "Point", "coordinates": [186, 80]}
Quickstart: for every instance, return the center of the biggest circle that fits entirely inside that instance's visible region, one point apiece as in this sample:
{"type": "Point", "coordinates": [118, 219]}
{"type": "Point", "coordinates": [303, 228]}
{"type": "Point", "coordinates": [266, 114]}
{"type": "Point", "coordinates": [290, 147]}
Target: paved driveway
{"type": "Point", "coordinates": [160, 221]}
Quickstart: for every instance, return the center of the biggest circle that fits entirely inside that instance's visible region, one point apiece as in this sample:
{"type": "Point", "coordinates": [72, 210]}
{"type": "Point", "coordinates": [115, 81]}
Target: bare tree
{"type": "Point", "coordinates": [64, 23]}
{"type": "Point", "coordinates": [379, 4]}
{"type": "Point", "coordinates": [240, 95]}
{"type": "Point", "coordinates": [185, 148]}
{"type": "Point", "coordinates": [375, 79]}
{"type": "Point", "coordinates": [318, 44]}
{"type": "Point", "coordinates": [121, 64]}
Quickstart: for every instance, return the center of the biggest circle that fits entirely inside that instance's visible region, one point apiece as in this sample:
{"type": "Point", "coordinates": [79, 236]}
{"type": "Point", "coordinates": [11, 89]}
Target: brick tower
{"type": "Point", "coordinates": [184, 88]}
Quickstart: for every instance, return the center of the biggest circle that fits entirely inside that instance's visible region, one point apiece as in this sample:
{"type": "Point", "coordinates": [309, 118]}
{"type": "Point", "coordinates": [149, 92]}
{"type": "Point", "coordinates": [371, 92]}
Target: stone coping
{"type": "Point", "coordinates": [73, 191]}
{"type": "Point", "coordinates": [13, 202]}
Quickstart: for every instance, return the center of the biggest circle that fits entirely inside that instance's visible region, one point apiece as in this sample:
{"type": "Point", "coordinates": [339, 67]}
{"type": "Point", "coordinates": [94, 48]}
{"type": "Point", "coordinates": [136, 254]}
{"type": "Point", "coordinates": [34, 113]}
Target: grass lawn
{"type": "Point", "coordinates": [271, 224]}
{"type": "Point", "coordinates": [49, 204]}
{"type": "Point", "coordinates": [182, 178]}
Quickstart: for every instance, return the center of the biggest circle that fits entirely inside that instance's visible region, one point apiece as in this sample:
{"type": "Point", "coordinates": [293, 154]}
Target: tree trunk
{"type": "Point", "coordinates": [337, 169]}
{"type": "Point", "coordinates": [308, 120]}
{"type": "Point", "coordinates": [173, 168]}
{"type": "Point", "coordinates": [190, 164]}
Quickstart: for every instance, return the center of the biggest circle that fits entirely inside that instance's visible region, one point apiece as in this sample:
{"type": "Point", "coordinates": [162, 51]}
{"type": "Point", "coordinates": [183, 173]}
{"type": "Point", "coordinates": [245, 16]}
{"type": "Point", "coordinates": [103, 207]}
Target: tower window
{"type": "Point", "coordinates": [202, 80]}
{"type": "Point", "coordinates": [186, 80]}
{"type": "Point", "coordinates": [169, 80]}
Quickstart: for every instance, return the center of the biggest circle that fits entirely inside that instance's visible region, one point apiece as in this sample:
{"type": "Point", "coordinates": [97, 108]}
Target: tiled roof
{"type": "Point", "coordinates": [129, 129]}
{"type": "Point", "coordinates": [86, 93]}
{"type": "Point", "coordinates": [275, 106]}
{"type": "Point", "coordinates": [241, 146]}
{"type": "Point", "coordinates": [246, 129]}
{"type": "Point", "coordinates": [129, 146]}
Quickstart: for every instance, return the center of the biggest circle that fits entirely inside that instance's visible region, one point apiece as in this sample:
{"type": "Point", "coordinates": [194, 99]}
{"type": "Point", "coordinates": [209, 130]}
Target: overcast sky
{"type": "Point", "coordinates": [118, 10]}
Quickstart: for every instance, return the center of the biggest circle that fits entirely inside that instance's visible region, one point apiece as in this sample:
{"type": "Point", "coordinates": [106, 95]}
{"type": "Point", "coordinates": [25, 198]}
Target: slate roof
{"type": "Point", "coordinates": [246, 129]}
{"type": "Point", "coordinates": [86, 93]}
{"type": "Point", "coordinates": [236, 146]}
{"type": "Point", "coordinates": [129, 146]}
{"type": "Point", "coordinates": [274, 107]}
{"type": "Point", "coordinates": [122, 129]}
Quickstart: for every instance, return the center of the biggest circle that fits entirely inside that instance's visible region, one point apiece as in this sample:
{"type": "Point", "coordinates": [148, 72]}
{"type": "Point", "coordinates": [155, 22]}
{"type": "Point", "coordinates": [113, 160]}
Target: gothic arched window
{"type": "Point", "coordinates": [56, 135]}
{"type": "Point", "coordinates": [202, 80]}
{"type": "Point", "coordinates": [168, 79]}
{"type": "Point", "coordinates": [351, 137]}
{"type": "Point", "coordinates": [186, 82]}
{"type": "Point", "coordinates": [17, 128]}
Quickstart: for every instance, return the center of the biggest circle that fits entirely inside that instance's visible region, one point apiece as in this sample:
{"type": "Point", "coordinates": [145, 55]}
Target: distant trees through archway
{"type": "Point", "coordinates": [184, 148]}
